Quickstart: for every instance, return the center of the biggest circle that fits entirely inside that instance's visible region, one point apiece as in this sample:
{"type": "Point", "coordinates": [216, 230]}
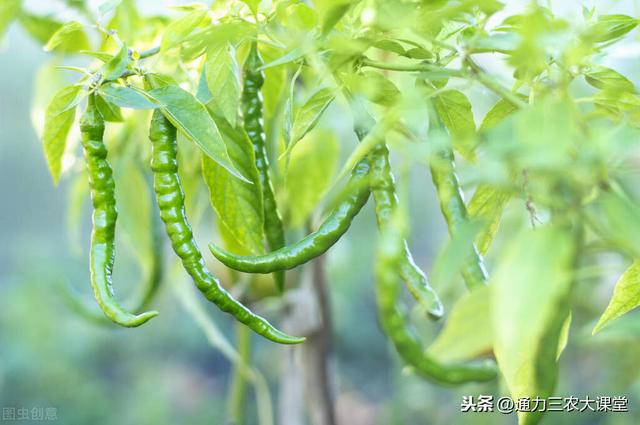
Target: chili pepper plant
{"type": "Point", "coordinates": [279, 123]}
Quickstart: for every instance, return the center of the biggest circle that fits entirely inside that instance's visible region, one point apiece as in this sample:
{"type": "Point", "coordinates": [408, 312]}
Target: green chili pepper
{"type": "Point", "coordinates": [171, 204]}
{"type": "Point", "coordinates": [104, 218]}
{"type": "Point", "coordinates": [454, 210]}
{"type": "Point", "coordinates": [142, 298]}
{"type": "Point", "coordinates": [252, 113]}
{"type": "Point", "coordinates": [391, 254]}
{"type": "Point", "coordinates": [384, 196]}
{"type": "Point", "coordinates": [314, 244]}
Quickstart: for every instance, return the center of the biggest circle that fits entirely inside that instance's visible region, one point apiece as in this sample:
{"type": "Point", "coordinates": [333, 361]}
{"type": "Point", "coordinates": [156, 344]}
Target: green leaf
{"type": "Point", "coordinates": [499, 111]}
{"type": "Point", "coordinates": [375, 86]}
{"type": "Point", "coordinates": [626, 297]}
{"type": "Point", "coordinates": [456, 114]}
{"type": "Point", "coordinates": [179, 29]}
{"type": "Point", "coordinates": [238, 204]}
{"type": "Point", "coordinates": [611, 27]}
{"type": "Point", "coordinates": [307, 117]}
{"type": "Point", "coordinates": [616, 219]}
{"type": "Point", "coordinates": [125, 97]}
{"type": "Point", "coordinates": [69, 33]}
{"type": "Point", "coordinates": [117, 65]}
{"type": "Point", "coordinates": [8, 11]}
{"type": "Point", "coordinates": [461, 339]}
{"type": "Point", "coordinates": [223, 79]}
{"type": "Point", "coordinates": [605, 78]}
{"type": "Point", "coordinates": [192, 118]}
{"type": "Point", "coordinates": [108, 110]}
{"type": "Point", "coordinates": [487, 206]}
{"type": "Point", "coordinates": [311, 171]}
{"type": "Point", "coordinates": [59, 117]}
{"type": "Point", "coordinates": [334, 15]}
{"type": "Point", "coordinates": [40, 27]}
{"type": "Point", "coordinates": [531, 289]}
{"type": "Point", "coordinates": [253, 5]}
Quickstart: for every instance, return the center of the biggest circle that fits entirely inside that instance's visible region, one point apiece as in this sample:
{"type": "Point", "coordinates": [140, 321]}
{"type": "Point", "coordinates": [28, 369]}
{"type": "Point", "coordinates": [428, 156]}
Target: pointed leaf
{"type": "Point", "coordinates": [179, 29]}
{"type": "Point", "coordinates": [456, 114]}
{"type": "Point", "coordinates": [117, 65]}
{"type": "Point", "coordinates": [238, 204]}
{"type": "Point", "coordinates": [530, 305]}
{"type": "Point", "coordinates": [499, 111]}
{"type": "Point", "coordinates": [487, 205]}
{"type": "Point", "coordinates": [605, 78]}
{"type": "Point", "coordinates": [65, 34]}
{"type": "Point", "coordinates": [108, 110]}
{"type": "Point", "coordinates": [59, 117]}
{"type": "Point", "coordinates": [307, 117]}
{"type": "Point", "coordinates": [125, 97]}
{"type": "Point", "coordinates": [222, 74]}
{"type": "Point", "coordinates": [8, 11]}
{"type": "Point", "coordinates": [192, 118]}
{"type": "Point", "coordinates": [626, 296]}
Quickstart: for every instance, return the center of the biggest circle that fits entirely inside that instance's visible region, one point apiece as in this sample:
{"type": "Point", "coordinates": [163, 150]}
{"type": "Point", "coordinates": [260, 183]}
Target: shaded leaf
{"type": "Point", "coordinates": [222, 74]}
{"type": "Point", "coordinates": [179, 29]}
{"type": "Point", "coordinates": [307, 117]}
{"type": "Point", "coordinates": [238, 204]}
{"type": "Point", "coordinates": [59, 117]}
{"type": "Point", "coordinates": [499, 111]}
{"type": "Point", "coordinates": [610, 27]}
{"type": "Point", "coordinates": [456, 114]}
{"type": "Point", "coordinates": [467, 334]}
{"type": "Point", "coordinates": [310, 174]}
{"type": "Point", "coordinates": [605, 78]}
{"type": "Point", "coordinates": [487, 206]}
{"type": "Point", "coordinates": [42, 28]}
{"type": "Point", "coordinates": [8, 11]}
{"type": "Point", "coordinates": [116, 65]}
{"type": "Point", "coordinates": [70, 32]}
{"type": "Point", "coordinates": [108, 110]}
{"type": "Point", "coordinates": [530, 306]}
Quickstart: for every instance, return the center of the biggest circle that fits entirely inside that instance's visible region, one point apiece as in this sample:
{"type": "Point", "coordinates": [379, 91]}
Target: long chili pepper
{"type": "Point", "coordinates": [391, 254]}
{"type": "Point", "coordinates": [454, 210]}
{"type": "Point", "coordinates": [104, 219]}
{"type": "Point", "coordinates": [384, 196]}
{"type": "Point", "coordinates": [143, 297]}
{"type": "Point", "coordinates": [252, 111]}
{"type": "Point", "coordinates": [171, 204]}
{"type": "Point", "coordinates": [314, 244]}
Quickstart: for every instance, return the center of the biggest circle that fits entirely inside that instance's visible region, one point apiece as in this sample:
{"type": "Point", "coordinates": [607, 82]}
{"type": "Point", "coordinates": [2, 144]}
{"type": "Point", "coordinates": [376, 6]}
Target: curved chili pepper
{"type": "Point", "coordinates": [104, 219]}
{"type": "Point", "coordinates": [454, 210]}
{"type": "Point", "coordinates": [252, 112]}
{"type": "Point", "coordinates": [154, 276]}
{"type": "Point", "coordinates": [314, 244]}
{"type": "Point", "coordinates": [391, 254]}
{"type": "Point", "coordinates": [171, 204]}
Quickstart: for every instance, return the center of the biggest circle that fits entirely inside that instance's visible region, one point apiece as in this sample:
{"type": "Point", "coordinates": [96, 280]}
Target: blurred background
{"type": "Point", "coordinates": [168, 372]}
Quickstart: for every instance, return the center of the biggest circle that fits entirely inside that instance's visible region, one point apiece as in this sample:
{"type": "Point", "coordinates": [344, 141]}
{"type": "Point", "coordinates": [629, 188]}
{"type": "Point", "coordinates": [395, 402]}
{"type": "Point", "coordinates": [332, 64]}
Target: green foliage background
{"type": "Point", "coordinates": [166, 373]}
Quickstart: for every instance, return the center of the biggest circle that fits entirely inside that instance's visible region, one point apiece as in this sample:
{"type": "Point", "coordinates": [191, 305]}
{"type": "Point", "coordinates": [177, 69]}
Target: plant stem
{"type": "Point", "coordinates": [150, 52]}
{"type": "Point", "coordinates": [422, 67]}
{"type": "Point", "coordinates": [238, 392]}
{"type": "Point", "coordinates": [489, 82]}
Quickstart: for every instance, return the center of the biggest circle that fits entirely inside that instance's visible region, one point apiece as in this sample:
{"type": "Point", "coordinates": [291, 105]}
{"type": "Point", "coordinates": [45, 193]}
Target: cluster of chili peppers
{"type": "Point", "coordinates": [371, 175]}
